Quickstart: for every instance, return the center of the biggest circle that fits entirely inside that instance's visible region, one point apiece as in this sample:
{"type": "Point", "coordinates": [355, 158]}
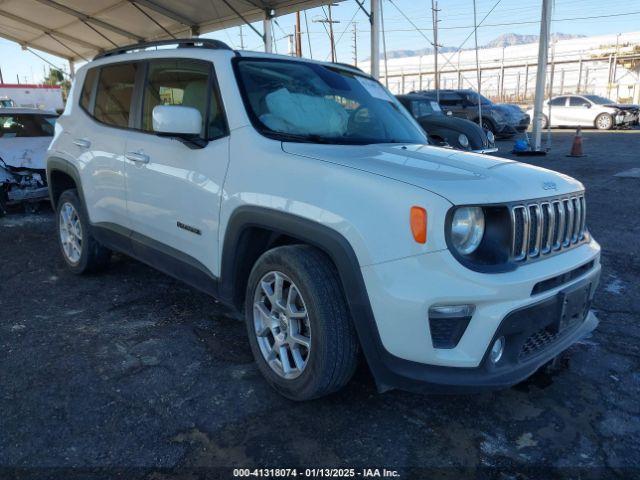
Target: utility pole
{"type": "Point", "coordinates": [1, 79]}
{"type": "Point", "coordinates": [478, 71]}
{"type": "Point", "coordinates": [541, 74]}
{"type": "Point", "coordinates": [434, 16]}
{"type": "Point", "coordinates": [333, 43]}
{"type": "Point", "coordinates": [292, 45]}
{"type": "Point", "coordinates": [241, 39]}
{"type": "Point", "coordinates": [330, 21]}
{"type": "Point", "coordinates": [298, 36]}
{"type": "Point", "coordinates": [355, 44]}
{"type": "Point", "coordinates": [375, 38]}
{"type": "Point", "coordinates": [384, 49]}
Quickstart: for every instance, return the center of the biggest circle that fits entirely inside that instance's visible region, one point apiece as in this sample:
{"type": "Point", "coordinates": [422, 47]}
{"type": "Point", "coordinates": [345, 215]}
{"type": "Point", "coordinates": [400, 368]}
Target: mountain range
{"type": "Point", "coordinates": [504, 40]}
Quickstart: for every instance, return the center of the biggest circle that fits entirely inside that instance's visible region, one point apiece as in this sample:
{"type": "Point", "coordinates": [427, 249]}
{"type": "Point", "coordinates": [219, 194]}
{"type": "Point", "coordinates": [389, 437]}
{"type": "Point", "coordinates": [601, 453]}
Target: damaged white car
{"type": "Point", "coordinates": [25, 134]}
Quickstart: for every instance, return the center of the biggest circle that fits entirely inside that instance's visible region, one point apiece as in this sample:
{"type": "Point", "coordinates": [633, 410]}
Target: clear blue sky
{"type": "Point", "coordinates": [510, 16]}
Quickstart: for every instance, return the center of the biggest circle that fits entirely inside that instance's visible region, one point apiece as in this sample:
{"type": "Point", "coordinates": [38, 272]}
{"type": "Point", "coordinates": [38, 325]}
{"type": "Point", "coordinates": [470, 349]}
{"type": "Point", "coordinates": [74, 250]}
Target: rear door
{"type": "Point", "coordinates": [453, 102]}
{"type": "Point", "coordinates": [558, 112]}
{"type": "Point", "coordinates": [173, 191]}
{"type": "Point", "coordinates": [98, 138]}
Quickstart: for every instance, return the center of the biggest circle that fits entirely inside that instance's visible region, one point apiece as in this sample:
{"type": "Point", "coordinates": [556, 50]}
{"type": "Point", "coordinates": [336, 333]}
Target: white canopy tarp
{"type": "Point", "coordinates": [79, 29]}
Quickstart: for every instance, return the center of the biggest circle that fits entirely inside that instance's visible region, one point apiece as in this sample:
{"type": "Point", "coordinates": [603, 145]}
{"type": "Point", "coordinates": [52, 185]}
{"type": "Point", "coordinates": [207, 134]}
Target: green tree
{"type": "Point", "coordinates": [56, 77]}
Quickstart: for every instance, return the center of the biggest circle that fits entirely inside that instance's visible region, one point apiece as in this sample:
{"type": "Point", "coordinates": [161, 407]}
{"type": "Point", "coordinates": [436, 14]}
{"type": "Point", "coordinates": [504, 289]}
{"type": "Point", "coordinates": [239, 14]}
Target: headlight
{"type": "Point", "coordinates": [463, 140]}
{"type": "Point", "coordinates": [490, 136]}
{"type": "Point", "coordinates": [467, 229]}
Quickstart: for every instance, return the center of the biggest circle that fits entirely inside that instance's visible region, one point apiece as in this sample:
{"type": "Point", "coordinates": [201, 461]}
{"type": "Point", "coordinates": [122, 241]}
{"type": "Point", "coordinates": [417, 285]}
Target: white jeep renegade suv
{"type": "Point", "coordinates": [303, 195]}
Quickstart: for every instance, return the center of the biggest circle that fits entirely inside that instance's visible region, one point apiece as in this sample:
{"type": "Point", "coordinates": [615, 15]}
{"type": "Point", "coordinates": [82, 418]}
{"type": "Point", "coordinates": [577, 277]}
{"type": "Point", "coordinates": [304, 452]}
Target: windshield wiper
{"type": "Point", "coordinates": [298, 137]}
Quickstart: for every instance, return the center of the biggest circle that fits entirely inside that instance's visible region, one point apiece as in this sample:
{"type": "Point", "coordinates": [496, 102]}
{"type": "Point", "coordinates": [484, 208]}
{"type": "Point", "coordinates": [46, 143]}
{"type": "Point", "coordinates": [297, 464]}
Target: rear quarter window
{"type": "Point", "coordinates": [87, 89]}
{"type": "Point", "coordinates": [114, 94]}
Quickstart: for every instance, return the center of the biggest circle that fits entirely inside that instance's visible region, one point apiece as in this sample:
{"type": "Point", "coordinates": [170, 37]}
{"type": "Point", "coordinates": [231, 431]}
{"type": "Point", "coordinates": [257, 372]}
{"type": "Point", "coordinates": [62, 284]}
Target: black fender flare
{"type": "Point", "coordinates": [339, 250]}
{"type": "Point", "coordinates": [65, 166]}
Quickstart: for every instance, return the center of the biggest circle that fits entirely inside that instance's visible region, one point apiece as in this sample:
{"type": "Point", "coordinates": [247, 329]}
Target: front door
{"type": "Point", "coordinates": [578, 112]}
{"type": "Point", "coordinates": [174, 191]}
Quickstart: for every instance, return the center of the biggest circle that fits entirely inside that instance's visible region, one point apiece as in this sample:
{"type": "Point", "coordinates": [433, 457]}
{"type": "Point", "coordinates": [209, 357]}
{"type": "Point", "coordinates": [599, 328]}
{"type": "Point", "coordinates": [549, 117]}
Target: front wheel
{"type": "Point", "coordinates": [81, 252]}
{"type": "Point", "coordinates": [488, 125]}
{"type": "Point", "coordinates": [604, 121]}
{"type": "Point", "coordinates": [299, 326]}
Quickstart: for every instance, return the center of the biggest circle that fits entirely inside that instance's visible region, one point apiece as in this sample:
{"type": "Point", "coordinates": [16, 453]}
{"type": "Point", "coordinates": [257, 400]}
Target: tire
{"type": "Point", "coordinates": [545, 121]}
{"type": "Point", "coordinates": [604, 121]}
{"type": "Point", "coordinates": [82, 253]}
{"type": "Point", "coordinates": [323, 321]}
{"type": "Point", "coordinates": [488, 125]}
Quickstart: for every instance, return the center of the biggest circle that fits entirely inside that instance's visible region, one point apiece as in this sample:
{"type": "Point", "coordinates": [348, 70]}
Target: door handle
{"type": "Point", "coordinates": [82, 143]}
{"type": "Point", "coordinates": [137, 157]}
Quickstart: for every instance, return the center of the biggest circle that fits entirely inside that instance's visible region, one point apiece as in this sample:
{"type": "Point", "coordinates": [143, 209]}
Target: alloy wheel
{"type": "Point", "coordinates": [70, 233]}
{"type": "Point", "coordinates": [281, 325]}
{"type": "Point", "coordinates": [604, 122]}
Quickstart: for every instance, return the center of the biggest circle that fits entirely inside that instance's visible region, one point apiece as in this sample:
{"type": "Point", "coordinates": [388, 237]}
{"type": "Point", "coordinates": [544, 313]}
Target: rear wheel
{"type": "Point", "coordinates": [298, 323]}
{"type": "Point", "coordinates": [545, 121]}
{"type": "Point", "coordinates": [604, 121]}
{"type": "Point", "coordinates": [81, 252]}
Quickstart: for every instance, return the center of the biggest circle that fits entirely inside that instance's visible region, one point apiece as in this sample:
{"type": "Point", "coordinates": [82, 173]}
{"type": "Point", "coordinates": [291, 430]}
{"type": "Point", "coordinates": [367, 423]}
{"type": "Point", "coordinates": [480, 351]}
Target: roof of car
{"type": "Point", "coordinates": [277, 56]}
{"type": "Point", "coordinates": [417, 96]}
{"type": "Point", "coordinates": [25, 111]}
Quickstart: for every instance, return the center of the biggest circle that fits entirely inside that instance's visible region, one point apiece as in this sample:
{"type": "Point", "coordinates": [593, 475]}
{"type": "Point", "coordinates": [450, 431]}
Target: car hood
{"type": "Point", "coordinates": [460, 177]}
{"type": "Point", "coordinates": [622, 106]}
{"type": "Point", "coordinates": [472, 130]}
{"type": "Point", "coordinates": [510, 111]}
{"type": "Point", "coordinates": [24, 152]}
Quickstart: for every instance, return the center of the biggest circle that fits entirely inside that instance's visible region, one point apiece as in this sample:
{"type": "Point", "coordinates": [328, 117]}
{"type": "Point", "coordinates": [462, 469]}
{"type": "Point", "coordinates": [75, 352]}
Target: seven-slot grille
{"type": "Point", "coordinates": [547, 226]}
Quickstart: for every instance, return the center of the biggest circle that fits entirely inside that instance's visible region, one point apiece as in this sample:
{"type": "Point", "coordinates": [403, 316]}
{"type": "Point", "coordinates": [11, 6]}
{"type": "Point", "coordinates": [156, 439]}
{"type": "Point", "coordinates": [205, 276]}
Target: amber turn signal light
{"type": "Point", "coordinates": [418, 221]}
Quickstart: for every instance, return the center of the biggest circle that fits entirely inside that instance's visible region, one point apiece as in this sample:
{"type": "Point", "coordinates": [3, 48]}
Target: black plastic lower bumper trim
{"type": "Point", "coordinates": [571, 323]}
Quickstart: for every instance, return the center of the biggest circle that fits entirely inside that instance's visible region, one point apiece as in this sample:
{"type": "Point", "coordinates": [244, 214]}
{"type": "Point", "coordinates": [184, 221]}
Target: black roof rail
{"type": "Point", "coordinates": [180, 42]}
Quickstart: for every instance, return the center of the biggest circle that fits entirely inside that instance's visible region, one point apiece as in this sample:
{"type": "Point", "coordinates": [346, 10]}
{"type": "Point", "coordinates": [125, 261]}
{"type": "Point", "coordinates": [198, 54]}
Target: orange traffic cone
{"type": "Point", "coordinates": [576, 148]}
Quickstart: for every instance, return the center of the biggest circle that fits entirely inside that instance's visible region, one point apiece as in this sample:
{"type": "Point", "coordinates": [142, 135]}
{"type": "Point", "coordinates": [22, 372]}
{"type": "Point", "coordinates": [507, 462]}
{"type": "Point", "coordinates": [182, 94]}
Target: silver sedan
{"type": "Point", "coordinates": [586, 111]}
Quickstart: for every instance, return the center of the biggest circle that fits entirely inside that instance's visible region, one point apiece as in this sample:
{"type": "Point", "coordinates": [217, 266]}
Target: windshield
{"type": "Point", "coordinates": [299, 101]}
{"type": "Point", "coordinates": [473, 99]}
{"type": "Point", "coordinates": [598, 100]}
{"type": "Point", "coordinates": [25, 125]}
{"type": "Point", "coordinates": [422, 108]}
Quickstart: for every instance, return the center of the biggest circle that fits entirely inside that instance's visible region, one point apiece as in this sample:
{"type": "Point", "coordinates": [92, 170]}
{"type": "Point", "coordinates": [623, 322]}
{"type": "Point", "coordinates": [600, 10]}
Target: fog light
{"type": "Point", "coordinates": [451, 311]}
{"type": "Point", "coordinates": [448, 323]}
{"type": "Point", "coordinates": [497, 349]}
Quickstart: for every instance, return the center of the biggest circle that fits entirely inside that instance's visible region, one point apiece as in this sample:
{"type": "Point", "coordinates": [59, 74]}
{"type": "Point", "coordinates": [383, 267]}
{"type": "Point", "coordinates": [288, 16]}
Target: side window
{"type": "Point", "coordinates": [183, 82]}
{"type": "Point", "coordinates": [115, 90]}
{"type": "Point", "coordinates": [577, 101]}
{"type": "Point", "coordinates": [558, 102]}
{"type": "Point", "coordinates": [87, 88]}
{"type": "Point", "coordinates": [449, 100]}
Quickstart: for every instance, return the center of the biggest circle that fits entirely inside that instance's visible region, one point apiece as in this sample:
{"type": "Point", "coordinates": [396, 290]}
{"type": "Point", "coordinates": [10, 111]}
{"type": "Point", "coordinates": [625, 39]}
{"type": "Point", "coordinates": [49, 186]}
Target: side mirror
{"type": "Point", "coordinates": [585, 104]}
{"type": "Point", "coordinates": [176, 120]}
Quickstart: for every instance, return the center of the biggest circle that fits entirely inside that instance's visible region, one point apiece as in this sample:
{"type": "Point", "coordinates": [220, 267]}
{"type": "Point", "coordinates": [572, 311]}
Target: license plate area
{"type": "Point", "coordinates": [574, 305]}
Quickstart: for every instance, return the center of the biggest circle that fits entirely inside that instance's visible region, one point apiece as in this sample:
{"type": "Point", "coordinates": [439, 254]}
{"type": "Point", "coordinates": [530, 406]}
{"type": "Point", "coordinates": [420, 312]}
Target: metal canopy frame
{"type": "Point", "coordinates": [79, 30]}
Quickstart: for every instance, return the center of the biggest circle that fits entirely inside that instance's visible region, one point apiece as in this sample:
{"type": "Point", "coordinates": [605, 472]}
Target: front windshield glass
{"type": "Point", "coordinates": [300, 101]}
{"type": "Point", "coordinates": [598, 100]}
{"type": "Point", "coordinates": [422, 108]}
{"type": "Point", "coordinates": [25, 125]}
{"type": "Point", "coordinates": [473, 99]}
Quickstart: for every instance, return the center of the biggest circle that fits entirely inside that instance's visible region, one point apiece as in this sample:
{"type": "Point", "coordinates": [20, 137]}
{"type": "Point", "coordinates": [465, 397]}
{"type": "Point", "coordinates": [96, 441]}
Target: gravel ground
{"type": "Point", "coordinates": [133, 370]}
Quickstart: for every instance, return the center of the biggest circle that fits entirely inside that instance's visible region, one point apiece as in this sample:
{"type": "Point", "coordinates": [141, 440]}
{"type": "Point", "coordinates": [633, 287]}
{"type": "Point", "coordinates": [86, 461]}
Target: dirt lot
{"type": "Point", "coordinates": [133, 370]}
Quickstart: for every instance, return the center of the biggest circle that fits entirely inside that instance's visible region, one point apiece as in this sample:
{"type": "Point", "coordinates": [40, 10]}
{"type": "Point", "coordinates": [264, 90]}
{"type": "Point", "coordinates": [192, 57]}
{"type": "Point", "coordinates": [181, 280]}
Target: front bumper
{"type": "Point", "coordinates": [401, 293]}
{"type": "Point", "coordinates": [486, 150]}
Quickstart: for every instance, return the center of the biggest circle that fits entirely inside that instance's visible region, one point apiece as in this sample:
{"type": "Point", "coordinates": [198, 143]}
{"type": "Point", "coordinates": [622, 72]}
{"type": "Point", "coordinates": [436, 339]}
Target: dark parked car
{"type": "Point", "coordinates": [445, 129]}
{"type": "Point", "coordinates": [502, 120]}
